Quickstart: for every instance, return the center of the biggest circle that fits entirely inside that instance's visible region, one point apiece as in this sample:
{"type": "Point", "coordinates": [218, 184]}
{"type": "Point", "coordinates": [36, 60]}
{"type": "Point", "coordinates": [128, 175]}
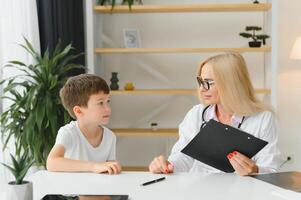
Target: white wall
{"type": "Point", "coordinates": [289, 83]}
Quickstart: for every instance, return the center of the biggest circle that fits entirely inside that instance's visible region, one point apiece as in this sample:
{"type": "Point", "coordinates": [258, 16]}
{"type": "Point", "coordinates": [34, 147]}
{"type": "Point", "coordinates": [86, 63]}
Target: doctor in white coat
{"type": "Point", "coordinates": [227, 96]}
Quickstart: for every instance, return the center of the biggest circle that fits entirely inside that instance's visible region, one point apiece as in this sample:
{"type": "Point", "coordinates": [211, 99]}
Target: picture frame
{"type": "Point", "coordinates": [131, 38]}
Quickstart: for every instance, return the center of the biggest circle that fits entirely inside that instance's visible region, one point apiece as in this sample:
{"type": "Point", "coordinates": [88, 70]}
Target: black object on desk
{"type": "Point", "coordinates": [153, 181]}
{"type": "Point", "coordinates": [86, 197]}
{"type": "Point", "coordinates": [216, 140]}
{"type": "Point", "coordinates": [286, 180]}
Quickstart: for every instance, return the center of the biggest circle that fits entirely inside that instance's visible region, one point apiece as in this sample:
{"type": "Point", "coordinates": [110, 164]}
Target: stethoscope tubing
{"type": "Point", "coordinates": [204, 122]}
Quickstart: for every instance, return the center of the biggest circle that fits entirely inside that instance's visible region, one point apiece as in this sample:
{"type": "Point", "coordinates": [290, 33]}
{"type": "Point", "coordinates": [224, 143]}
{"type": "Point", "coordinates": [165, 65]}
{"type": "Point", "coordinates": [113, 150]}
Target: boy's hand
{"type": "Point", "coordinates": [112, 167]}
{"type": "Point", "coordinates": [161, 165]}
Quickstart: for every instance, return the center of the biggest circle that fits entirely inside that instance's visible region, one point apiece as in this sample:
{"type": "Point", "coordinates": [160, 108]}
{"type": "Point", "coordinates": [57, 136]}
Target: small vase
{"type": "Point", "coordinates": [114, 81]}
{"type": "Point", "coordinates": [20, 192]}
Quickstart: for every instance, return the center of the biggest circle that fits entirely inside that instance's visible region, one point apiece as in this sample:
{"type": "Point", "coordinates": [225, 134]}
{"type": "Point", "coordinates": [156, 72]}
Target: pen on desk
{"type": "Point", "coordinates": [153, 181]}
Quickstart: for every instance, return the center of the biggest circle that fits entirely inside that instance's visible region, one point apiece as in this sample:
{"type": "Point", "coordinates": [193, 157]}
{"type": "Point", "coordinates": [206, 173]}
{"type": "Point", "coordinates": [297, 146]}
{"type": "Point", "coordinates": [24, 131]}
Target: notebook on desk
{"type": "Point", "coordinates": [286, 180]}
{"type": "Point", "coordinates": [216, 140]}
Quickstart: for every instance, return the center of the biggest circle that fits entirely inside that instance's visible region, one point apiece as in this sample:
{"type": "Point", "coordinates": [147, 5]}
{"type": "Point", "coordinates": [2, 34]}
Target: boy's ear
{"type": "Point", "coordinates": [77, 111]}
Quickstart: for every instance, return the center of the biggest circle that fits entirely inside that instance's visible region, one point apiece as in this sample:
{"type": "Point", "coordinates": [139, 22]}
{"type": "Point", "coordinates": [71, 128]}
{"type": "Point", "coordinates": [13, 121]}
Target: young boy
{"type": "Point", "coordinates": [85, 144]}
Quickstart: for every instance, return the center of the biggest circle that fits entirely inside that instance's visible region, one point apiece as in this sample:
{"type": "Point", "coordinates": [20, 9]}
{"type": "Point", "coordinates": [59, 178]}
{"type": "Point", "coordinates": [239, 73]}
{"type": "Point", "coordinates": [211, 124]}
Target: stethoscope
{"type": "Point", "coordinates": [204, 122]}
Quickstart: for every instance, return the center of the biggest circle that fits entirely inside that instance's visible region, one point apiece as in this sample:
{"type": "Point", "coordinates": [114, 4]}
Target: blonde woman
{"type": "Point", "coordinates": [227, 96]}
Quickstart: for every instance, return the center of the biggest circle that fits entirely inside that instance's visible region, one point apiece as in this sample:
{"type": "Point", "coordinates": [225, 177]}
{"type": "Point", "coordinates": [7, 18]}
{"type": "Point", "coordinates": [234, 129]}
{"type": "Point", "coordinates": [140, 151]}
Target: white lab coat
{"type": "Point", "coordinates": [261, 125]}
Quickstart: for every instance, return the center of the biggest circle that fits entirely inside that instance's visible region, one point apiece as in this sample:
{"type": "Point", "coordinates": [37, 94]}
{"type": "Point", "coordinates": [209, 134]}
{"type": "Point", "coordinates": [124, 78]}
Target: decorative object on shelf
{"type": "Point", "coordinates": [129, 86]}
{"type": "Point", "coordinates": [19, 189]}
{"type": "Point", "coordinates": [256, 2]}
{"type": "Point", "coordinates": [36, 113]}
{"type": "Point", "coordinates": [114, 81]}
{"type": "Point", "coordinates": [154, 126]}
{"type": "Point", "coordinates": [296, 50]}
{"type": "Point", "coordinates": [131, 38]}
{"type": "Point", "coordinates": [256, 38]}
{"type": "Point", "coordinates": [114, 2]}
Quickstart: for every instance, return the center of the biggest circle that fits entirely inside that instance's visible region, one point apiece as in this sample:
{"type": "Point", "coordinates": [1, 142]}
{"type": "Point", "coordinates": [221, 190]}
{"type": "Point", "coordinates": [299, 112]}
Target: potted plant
{"type": "Point", "coordinates": [256, 38]}
{"type": "Point", "coordinates": [36, 112]}
{"type": "Point", "coordinates": [114, 2]}
{"type": "Point", "coordinates": [19, 189]}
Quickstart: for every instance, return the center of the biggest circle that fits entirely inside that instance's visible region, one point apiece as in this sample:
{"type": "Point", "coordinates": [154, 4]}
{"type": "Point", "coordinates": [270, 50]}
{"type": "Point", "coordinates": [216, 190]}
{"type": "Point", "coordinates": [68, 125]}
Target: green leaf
{"type": "Point", "coordinates": [24, 171]}
{"type": "Point", "coordinates": [30, 47]}
{"type": "Point", "coordinates": [3, 81]}
{"type": "Point", "coordinates": [62, 54]}
{"type": "Point", "coordinates": [40, 114]}
{"type": "Point", "coordinates": [246, 35]}
{"type": "Point", "coordinates": [15, 62]}
{"type": "Point", "coordinates": [253, 28]}
{"type": "Point", "coordinates": [261, 37]}
{"type": "Point", "coordinates": [12, 170]}
{"type": "Point", "coordinates": [15, 163]}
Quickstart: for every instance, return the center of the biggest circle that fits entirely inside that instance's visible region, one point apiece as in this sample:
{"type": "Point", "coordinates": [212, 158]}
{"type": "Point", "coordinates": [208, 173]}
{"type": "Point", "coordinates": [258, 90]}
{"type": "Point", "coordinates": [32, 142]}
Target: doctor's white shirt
{"type": "Point", "coordinates": [261, 125]}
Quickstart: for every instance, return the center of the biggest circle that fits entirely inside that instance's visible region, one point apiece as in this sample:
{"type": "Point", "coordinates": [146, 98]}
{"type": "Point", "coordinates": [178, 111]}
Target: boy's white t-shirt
{"type": "Point", "coordinates": [77, 146]}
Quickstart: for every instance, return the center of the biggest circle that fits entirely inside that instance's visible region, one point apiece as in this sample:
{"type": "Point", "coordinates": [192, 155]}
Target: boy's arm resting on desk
{"type": "Point", "coordinates": [57, 162]}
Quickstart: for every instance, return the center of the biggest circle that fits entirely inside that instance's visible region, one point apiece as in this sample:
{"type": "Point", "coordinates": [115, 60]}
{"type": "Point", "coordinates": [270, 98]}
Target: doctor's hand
{"type": "Point", "coordinates": [242, 164]}
{"type": "Point", "coordinates": [161, 165]}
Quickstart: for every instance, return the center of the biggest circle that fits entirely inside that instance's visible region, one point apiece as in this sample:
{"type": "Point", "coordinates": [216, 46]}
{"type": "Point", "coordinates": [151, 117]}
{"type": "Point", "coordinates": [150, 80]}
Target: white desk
{"type": "Point", "coordinates": [176, 186]}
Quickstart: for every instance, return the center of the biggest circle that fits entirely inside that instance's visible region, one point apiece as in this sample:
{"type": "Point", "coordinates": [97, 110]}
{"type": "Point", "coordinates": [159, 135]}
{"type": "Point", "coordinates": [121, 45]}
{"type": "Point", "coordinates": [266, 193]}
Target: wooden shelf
{"type": "Point", "coordinates": [171, 91]}
{"type": "Point", "coordinates": [145, 132]}
{"type": "Point", "coordinates": [179, 50]}
{"type": "Point", "coordinates": [231, 7]}
{"type": "Point", "coordinates": [135, 168]}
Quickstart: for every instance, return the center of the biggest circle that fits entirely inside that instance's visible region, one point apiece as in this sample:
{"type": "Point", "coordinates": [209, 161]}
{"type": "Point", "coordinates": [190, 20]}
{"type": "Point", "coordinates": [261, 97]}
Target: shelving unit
{"type": "Point", "coordinates": [93, 52]}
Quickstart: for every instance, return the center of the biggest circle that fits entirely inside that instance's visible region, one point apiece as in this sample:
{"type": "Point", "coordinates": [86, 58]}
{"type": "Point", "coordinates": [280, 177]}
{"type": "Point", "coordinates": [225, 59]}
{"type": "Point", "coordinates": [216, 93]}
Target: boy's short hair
{"type": "Point", "coordinates": [78, 89]}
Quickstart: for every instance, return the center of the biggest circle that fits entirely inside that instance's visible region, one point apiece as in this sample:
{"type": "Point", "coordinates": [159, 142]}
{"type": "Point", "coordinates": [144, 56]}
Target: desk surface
{"type": "Point", "coordinates": [176, 186]}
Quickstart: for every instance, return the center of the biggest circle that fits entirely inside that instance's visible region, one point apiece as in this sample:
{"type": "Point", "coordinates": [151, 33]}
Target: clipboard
{"type": "Point", "coordinates": [216, 140]}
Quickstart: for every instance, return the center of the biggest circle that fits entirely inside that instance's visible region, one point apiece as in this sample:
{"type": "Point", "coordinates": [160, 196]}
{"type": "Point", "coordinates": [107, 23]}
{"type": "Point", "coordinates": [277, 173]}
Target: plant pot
{"type": "Point", "coordinates": [255, 44]}
{"type": "Point", "coordinates": [19, 192]}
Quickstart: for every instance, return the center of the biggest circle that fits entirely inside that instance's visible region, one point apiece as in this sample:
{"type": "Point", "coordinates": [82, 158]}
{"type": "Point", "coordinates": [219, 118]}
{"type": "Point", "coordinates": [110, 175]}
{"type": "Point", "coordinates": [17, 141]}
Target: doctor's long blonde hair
{"type": "Point", "coordinates": [234, 86]}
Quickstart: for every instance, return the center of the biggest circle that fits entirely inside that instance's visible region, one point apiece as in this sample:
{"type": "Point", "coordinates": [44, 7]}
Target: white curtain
{"type": "Point", "coordinates": [18, 18]}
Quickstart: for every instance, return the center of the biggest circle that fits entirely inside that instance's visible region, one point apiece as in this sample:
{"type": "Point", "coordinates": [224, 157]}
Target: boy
{"type": "Point", "coordinates": [85, 144]}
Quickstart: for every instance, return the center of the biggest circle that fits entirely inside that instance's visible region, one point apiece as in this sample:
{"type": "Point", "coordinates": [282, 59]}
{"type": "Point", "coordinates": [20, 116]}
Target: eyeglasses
{"type": "Point", "coordinates": [206, 84]}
